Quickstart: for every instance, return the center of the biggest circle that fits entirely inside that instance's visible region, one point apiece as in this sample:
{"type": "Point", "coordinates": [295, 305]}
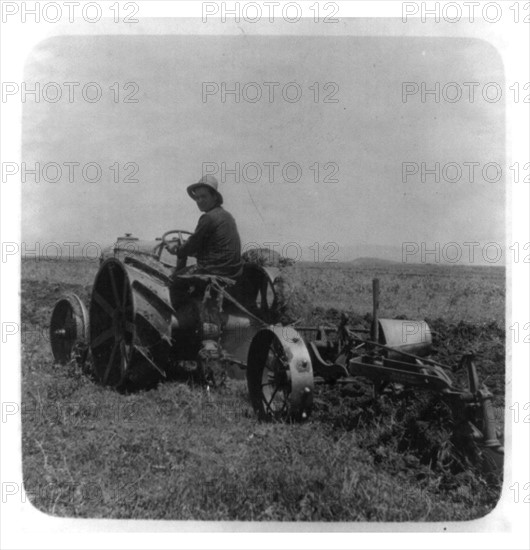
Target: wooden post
{"type": "Point", "coordinates": [375, 302]}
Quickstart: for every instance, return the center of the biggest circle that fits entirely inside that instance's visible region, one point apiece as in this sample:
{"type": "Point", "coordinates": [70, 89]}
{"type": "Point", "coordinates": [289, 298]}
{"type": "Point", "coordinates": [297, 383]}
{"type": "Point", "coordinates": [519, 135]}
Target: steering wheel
{"type": "Point", "coordinates": [179, 232]}
{"type": "Point", "coordinates": [165, 241]}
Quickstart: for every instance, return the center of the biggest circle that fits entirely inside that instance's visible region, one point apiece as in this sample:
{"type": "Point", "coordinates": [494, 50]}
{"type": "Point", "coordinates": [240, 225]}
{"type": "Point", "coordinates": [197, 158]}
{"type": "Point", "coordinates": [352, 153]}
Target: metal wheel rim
{"type": "Point", "coordinates": [279, 375]}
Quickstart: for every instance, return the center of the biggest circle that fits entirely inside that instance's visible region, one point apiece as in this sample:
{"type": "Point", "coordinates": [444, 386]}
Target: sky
{"type": "Point", "coordinates": [358, 200]}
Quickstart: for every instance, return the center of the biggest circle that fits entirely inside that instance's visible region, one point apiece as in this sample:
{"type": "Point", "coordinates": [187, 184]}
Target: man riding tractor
{"type": "Point", "coordinates": [215, 243]}
{"type": "Point", "coordinates": [217, 247]}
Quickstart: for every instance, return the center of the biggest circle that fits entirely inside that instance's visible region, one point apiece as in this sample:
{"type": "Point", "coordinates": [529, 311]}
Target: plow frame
{"type": "Point", "coordinates": [340, 355]}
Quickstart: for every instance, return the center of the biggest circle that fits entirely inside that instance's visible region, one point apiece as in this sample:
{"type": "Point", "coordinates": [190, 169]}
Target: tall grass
{"type": "Point", "coordinates": [455, 293]}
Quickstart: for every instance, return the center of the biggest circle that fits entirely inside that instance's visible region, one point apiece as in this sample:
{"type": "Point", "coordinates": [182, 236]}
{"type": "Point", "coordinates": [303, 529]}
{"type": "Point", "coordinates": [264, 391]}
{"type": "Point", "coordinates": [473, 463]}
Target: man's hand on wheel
{"type": "Point", "coordinates": [173, 247]}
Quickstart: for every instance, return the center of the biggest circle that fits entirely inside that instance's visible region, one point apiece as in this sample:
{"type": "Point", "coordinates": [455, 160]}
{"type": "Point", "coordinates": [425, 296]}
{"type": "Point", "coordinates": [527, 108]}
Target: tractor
{"type": "Point", "coordinates": [145, 324]}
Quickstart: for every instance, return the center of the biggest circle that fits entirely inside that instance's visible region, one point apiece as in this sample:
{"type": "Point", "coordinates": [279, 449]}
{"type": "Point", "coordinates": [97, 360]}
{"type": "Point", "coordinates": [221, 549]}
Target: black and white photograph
{"type": "Point", "coordinates": [265, 268]}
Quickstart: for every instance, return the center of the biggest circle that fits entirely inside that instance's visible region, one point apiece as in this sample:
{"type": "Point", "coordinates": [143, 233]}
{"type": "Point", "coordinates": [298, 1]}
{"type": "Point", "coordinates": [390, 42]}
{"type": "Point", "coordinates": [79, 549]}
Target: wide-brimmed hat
{"type": "Point", "coordinates": [206, 181]}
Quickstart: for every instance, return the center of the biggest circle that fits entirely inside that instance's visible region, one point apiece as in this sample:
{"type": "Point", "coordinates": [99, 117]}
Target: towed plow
{"type": "Point", "coordinates": [144, 325]}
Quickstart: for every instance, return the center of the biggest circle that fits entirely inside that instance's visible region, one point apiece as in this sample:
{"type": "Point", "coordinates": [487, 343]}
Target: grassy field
{"type": "Point", "coordinates": [181, 452]}
{"type": "Point", "coordinates": [455, 293]}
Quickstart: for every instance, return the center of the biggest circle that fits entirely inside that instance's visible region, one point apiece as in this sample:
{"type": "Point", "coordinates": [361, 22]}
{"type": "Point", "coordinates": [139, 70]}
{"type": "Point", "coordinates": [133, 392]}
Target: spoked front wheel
{"type": "Point", "coordinates": [69, 330]}
{"type": "Point", "coordinates": [279, 375]}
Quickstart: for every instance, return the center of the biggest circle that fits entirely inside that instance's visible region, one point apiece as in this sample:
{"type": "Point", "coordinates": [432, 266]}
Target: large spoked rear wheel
{"type": "Point", "coordinates": [279, 375]}
{"type": "Point", "coordinates": [69, 330]}
{"type": "Point", "coordinates": [112, 326]}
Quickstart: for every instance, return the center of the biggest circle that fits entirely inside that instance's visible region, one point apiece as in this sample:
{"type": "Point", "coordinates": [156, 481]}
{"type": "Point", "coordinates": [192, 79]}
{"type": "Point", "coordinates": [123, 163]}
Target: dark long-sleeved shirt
{"type": "Point", "coordinates": [215, 244]}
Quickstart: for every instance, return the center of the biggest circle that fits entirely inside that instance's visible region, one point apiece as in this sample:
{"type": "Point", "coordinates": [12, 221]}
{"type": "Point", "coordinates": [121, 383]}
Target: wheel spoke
{"type": "Point", "coordinates": [124, 294]}
{"type": "Point", "coordinates": [64, 349]}
{"type": "Point", "coordinates": [282, 362]}
{"type": "Point", "coordinates": [103, 304]}
{"type": "Point", "coordinates": [269, 379]}
{"type": "Point", "coordinates": [129, 327]}
{"type": "Point", "coordinates": [274, 367]}
{"type": "Point", "coordinates": [263, 292]}
{"type": "Point", "coordinates": [269, 367]}
{"type": "Point", "coordinates": [125, 349]}
{"type": "Point", "coordinates": [273, 394]}
{"type": "Point", "coordinates": [267, 405]}
{"type": "Point", "coordinates": [102, 338]}
{"type": "Point", "coordinates": [111, 361]}
{"type": "Point", "coordinates": [115, 289]}
{"type": "Point", "coordinates": [68, 318]}
{"type": "Point", "coordinates": [124, 353]}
